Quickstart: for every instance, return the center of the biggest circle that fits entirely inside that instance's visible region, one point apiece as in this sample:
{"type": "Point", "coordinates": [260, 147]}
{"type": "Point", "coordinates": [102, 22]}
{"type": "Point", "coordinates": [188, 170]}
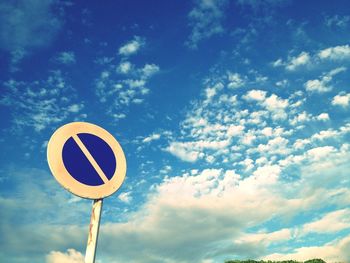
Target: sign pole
{"type": "Point", "coordinates": [93, 231]}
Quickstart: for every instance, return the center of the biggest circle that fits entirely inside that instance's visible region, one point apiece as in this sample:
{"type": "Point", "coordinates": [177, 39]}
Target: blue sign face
{"type": "Point", "coordinates": [86, 160]}
{"type": "Point", "coordinates": [80, 167]}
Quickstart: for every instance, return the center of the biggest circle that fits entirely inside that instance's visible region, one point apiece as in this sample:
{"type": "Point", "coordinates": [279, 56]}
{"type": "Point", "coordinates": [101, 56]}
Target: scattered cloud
{"type": "Point", "coordinates": [301, 60]}
{"type": "Point", "coordinates": [125, 197]}
{"type": "Point", "coordinates": [322, 85]}
{"type": "Point", "coordinates": [152, 137]}
{"type": "Point", "coordinates": [66, 58]}
{"type": "Point", "coordinates": [335, 53]}
{"type": "Point", "coordinates": [132, 47]}
{"type": "Point", "coordinates": [332, 222]}
{"type": "Point", "coordinates": [337, 21]}
{"type": "Point", "coordinates": [255, 95]}
{"type": "Point", "coordinates": [235, 80]}
{"type": "Point", "coordinates": [323, 117]}
{"type": "Point", "coordinates": [333, 252]}
{"type": "Point", "coordinates": [72, 256]}
{"type": "Point", "coordinates": [39, 104]}
{"type": "Point", "coordinates": [294, 63]}
{"type": "Point", "coordinates": [205, 20]}
{"type": "Point", "coordinates": [124, 67]}
{"type": "Point", "coordinates": [124, 84]}
{"type": "Point", "coordinates": [342, 99]}
{"type": "Point", "coordinates": [308, 60]}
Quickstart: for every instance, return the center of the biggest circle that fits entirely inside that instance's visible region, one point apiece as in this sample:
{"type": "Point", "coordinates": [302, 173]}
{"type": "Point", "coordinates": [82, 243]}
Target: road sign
{"type": "Point", "coordinates": [86, 160]}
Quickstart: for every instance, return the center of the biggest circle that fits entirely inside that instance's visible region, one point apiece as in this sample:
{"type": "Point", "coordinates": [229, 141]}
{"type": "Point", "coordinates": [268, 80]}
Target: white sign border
{"type": "Point", "coordinates": [59, 171]}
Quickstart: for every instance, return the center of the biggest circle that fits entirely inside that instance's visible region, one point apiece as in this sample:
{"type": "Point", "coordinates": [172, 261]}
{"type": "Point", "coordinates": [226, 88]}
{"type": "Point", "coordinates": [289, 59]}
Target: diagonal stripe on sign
{"type": "Point", "coordinates": [90, 158]}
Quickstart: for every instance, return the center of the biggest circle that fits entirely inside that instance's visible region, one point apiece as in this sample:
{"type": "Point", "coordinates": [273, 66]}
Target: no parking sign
{"type": "Point", "coordinates": [89, 162]}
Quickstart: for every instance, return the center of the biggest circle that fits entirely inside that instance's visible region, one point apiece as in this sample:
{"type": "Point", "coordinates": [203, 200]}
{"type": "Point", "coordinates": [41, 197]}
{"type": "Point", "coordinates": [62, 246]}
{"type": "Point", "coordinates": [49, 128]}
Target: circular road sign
{"type": "Point", "coordinates": [86, 160]}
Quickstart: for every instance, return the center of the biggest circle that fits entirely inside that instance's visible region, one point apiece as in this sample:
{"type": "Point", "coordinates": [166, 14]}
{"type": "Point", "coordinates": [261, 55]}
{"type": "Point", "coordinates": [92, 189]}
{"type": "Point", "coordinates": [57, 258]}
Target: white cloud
{"type": "Point", "coordinates": [273, 103]}
{"type": "Point", "coordinates": [66, 57]}
{"type": "Point", "coordinates": [41, 103]}
{"type": "Point", "coordinates": [124, 84]}
{"type": "Point", "coordinates": [342, 99]}
{"type": "Point", "coordinates": [235, 80]}
{"type": "Point", "coordinates": [302, 59]}
{"type": "Point", "coordinates": [131, 47]}
{"type": "Point", "coordinates": [337, 20]}
{"type": "Point", "coordinates": [124, 67]}
{"type": "Point", "coordinates": [205, 20]}
{"type": "Point", "coordinates": [72, 256]}
{"type": "Point", "coordinates": [201, 202]}
{"type": "Point", "coordinates": [267, 238]}
{"type": "Point", "coordinates": [149, 69]}
{"type": "Point", "coordinates": [319, 153]}
{"type": "Point", "coordinates": [257, 95]}
{"type": "Point", "coordinates": [152, 137]}
{"type": "Point", "coordinates": [191, 151]}
{"type": "Point", "coordinates": [278, 145]}
{"type": "Point", "coordinates": [307, 60]}
{"type": "Point", "coordinates": [333, 252]}
{"type": "Point", "coordinates": [204, 203]}
{"type": "Point", "coordinates": [125, 197]}
{"type": "Point", "coordinates": [293, 63]}
{"type": "Point", "coordinates": [335, 53]}
{"type": "Point", "coordinates": [323, 117]}
{"type": "Point", "coordinates": [277, 63]}
{"type": "Point", "coordinates": [321, 85]}
{"type": "Point", "coordinates": [181, 151]}
{"type": "Point", "coordinates": [332, 222]}
{"type": "Point", "coordinates": [301, 118]}
{"type": "Point", "coordinates": [75, 108]}
{"type": "Point", "coordinates": [119, 116]}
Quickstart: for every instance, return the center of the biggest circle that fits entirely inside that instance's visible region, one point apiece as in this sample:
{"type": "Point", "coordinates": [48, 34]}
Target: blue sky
{"type": "Point", "coordinates": [233, 115]}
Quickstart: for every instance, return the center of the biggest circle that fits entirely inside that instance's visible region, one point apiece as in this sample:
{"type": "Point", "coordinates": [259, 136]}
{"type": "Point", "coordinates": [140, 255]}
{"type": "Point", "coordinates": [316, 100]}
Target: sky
{"type": "Point", "coordinates": [233, 116]}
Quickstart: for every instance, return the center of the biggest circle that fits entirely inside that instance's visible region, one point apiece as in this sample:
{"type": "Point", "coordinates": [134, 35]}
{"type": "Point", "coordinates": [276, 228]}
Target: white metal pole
{"type": "Point", "coordinates": [93, 231]}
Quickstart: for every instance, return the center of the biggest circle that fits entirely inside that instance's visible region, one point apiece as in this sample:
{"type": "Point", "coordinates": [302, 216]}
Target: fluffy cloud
{"type": "Point", "coordinates": [41, 103]}
{"type": "Point", "coordinates": [38, 202]}
{"type": "Point", "coordinates": [309, 60]}
{"type": "Point", "coordinates": [293, 63]}
{"type": "Point", "coordinates": [335, 53]}
{"type": "Point", "coordinates": [72, 256]}
{"type": "Point", "coordinates": [323, 117]}
{"type": "Point", "coordinates": [321, 85]}
{"type": "Point", "coordinates": [216, 206]}
{"type": "Point", "coordinates": [334, 252]}
{"type": "Point", "coordinates": [124, 67]}
{"type": "Point", "coordinates": [152, 137]}
{"type": "Point", "coordinates": [235, 80]}
{"type": "Point", "coordinates": [66, 57]}
{"type": "Point", "coordinates": [123, 84]}
{"type": "Point", "coordinates": [273, 103]}
{"type": "Point", "coordinates": [301, 60]}
{"type": "Point", "coordinates": [131, 47]}
{"type": "Point", "coordinates": [125, 197]}
{"type": "Point", "coordinates": [205, 20]}
{"type": "Point", "coordinates": [201, 203]}
{"type": "Point", "coordinates": [342, 99]}
{"type": "Point", "coordinates": [255, 95]}
{"type": "Point", "coordinates": [337, 21]}
{"type": "Point", "coordinates": [332, 222]}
